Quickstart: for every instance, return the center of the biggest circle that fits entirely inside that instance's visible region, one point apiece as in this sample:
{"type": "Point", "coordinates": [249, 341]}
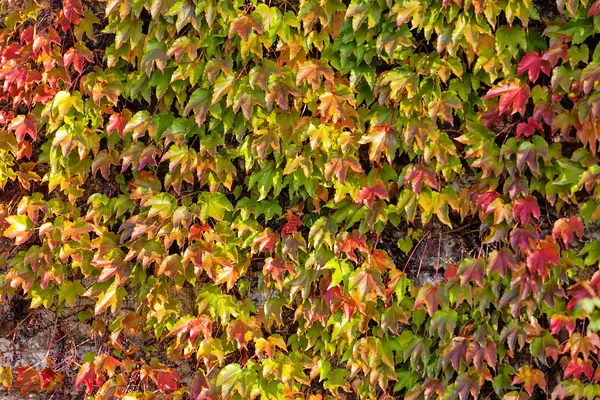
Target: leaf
{"type": "Point", "coordinates": [417, 174]}
{"type": "Point", "coordinates": [523, 209]}
{"type": "Point", "coordinates": [23, 125]}
{"type": "Point", "coordinates": [332, 104]}
{"type": "Point", "coordinates": [348, 244]}
{"type": "Point", "coordinates": [443, 321]}
{"type": "Point", "coordinates": [199, 103]}
{"type": "Point", "coordinates": [383, 140]}
{"type": "Point", "coordinates": [501, 260]}
{"type": "Point", "coordinates": [367, 281]}
{"type": "Point", "coordinates": [566, 228]}
{"type": "Point", "coordinates": [511, 96]}
{"type": "Point", "coordinates": [530, 63]}
{"type": "Point", "coordinates": [369, 194]}
{"type": "Point", "coordinates": [530, 378]}
{"type": "Point", "coordinates": [455, 352]}
{"type": "Point", "coordinates": [471, 269]}
{"type": "Point", "coordinates": [214, 206]}
{"type": "Point", "coordinates": [312, 72]}
{"type": "Point", "coordinates": [86, 377]}
{"type": "Point", "coordinates": [155, 52]}
{"type": "Point", "coordinates": [243, 25]}
{"type": "Point", "coordinates": [21, 228]}
{"type": "Point", "coordinates": [266, 240]}
{"type": "Point", "coordinates": [432, 296]}
{"type": "Point", "coordinates": [229, 378]}
{"type": "Point", "coordinates": [547, 253]}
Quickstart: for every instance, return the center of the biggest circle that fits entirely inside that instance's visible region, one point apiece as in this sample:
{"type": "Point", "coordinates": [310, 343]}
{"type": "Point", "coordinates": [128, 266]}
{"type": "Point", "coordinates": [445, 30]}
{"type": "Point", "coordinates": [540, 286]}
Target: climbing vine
{"type": "Point", "coordinates": [359, 199]}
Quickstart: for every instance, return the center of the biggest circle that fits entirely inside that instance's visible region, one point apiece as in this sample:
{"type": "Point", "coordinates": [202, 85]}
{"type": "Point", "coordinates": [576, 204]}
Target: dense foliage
{"type": "Point", "coordinates": [284, 165]}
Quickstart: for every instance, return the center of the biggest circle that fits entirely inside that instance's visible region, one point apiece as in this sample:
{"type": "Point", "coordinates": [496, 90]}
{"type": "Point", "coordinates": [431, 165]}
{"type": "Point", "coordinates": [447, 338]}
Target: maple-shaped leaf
{"type": "Point", "coordinates": [381, 260]}
{"type": "Point", "coordinates": [118, 121]}
{"type": "Point", "coordinates": [523, 209]}
{"type": "Point", "coordinates": [24, 125]}
{"type": "Point", "coordinates": [501, 261]}
{"type": "Point", "coordinates": [291, 226]}
{"type": "Point", "coordinates": [442, 322]}
{"type": "Point", "coordinates": [86, 377]}
{"type": "Point", "coordinates": [106, 363]}
{"type": "Point", "coordinates": [167, 379]}
{"type": "Point", "coordinates": [383, 140]}
{"type": "Point", "coordinates": [546, 253]}
{"type": "Point", "coordinates": [557, 322]}
{"type": "Point", "coordinates": [467, 383]}
{"type": "Point", "coordinates": [369, 194]}
{"type": "Point", "coordinates": [367, 281]}
{"type": "Point", "coordinates": [199, 103]}
{"type": "Point", "coordinates": [455, 352]}
{"type": "Point", "coordinates": [566, 228]}
{"type": "Point", "coordinates": [243, 25]}
{"type": "Point", "coordinates": [477, 354]}
{"type": "Point", "coordinates": [471, 269]}
{"type": "Point", "coordinates": [339, 166]}
{"type": "Point", "coordinates": [267, 239]}
{"type": "Point", "coordinates": [431, 296]}
{"type": "Point", "coordinates": [76, 56]}
{"type": "Point", "coordinates": [312, 72]}
{"type": "Point", "coordinates": [529, 152]}
{"type": "Point", "coordinates": [522, 238]}
{"type": "Point", "coordinates": [349, 243]}
{"type": "Point", "coordinates": [28, 380]}
{"type": "Point", "coordinates": [578, 367]}
{"type": "Point", "coordinates": [72, 8]}
{"type": "Point", "coordinates": [20, 228]}
{"type": "Point", "coordinates": [417, 174]}
{"type": "Point", "coordinates": [332, 104]}
{"type": "Point", "coordinates": [532, 64]}
{"type": "Point", "coordinates": [275, 267]}
{"type": "Point", "coordinates": [530, 378]}
{"type": "Point", "coordinates": [512, 96]}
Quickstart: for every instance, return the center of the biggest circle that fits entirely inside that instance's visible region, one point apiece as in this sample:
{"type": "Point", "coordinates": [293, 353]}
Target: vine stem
{"type": "Point", "coordinates": [413, 251]}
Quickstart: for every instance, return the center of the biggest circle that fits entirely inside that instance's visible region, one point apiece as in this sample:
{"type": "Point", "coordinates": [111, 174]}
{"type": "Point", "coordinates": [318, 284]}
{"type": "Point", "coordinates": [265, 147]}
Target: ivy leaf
{"type": "Point", "coordinates": [367, 281]}
{"type": "Point", "coordinates": [530, 63]}
{"type": "Point", "coordinates": [417, 174]}
{"type": "Point", "coordinates": [523, 209]}
{"type": "Point", "coordinates": [530, 378]}
{"type": "Point", "coordinates": [267, 240]}
{"type": "Point", "coordinates": [501, 260]}
{"type": "Point", "coordinates": [86, 376]}
{"type": "Point", "coordinates": [214, 206]}
{"type": "Point", "coordinates": [566, 228]}
{"type": "Point", "coordinates": [369, 194]}
{"type": "Point", "coordinates": [455, 352]}
{"type": "Point", "coordinates": [243, 25]}
{"type": "Point", "coordinates": [529, 152]}
{"type": "Point", "coordinates": [383, 140]}
{"type": "Point", "coordinates": [443, 321]}
{"type": "Point", "coordinates": [511, 96]}
{"type": "Point", "coordinates": [312, 72]}
{"type": "Point", "coordinates": [155, 52]}
{"type": "Point", "coordinates": [20, 229]}
{"type": "Point", "coordinates": [199, 103]}
{"type": "Point", "coordinates": [471, 269]}
{"type": "Point", "coordinates": [229, 378]}
{"type": "Point", "coordinates": [23, 125]}
{"type": "Point", "coordinates": [547, 253]}
{"type": "Point", "coordinates": [432, 296]}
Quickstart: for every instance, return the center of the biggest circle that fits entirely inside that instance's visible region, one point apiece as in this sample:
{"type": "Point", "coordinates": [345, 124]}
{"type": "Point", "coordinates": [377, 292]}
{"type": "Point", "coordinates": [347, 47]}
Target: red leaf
{"type": "Point", "coordinates": [431, 296]}
{"type": "Point", "coordinates": [381, 260]}
{"type": "Point", "coordinates": [368, 194]}
{"type": "Point", "coordinates": [521, 238]}
{"type": "Point", "coordinates": [594, 9]}
{"type": "Point", "coordinates": [547, 253]}
{"type": "Point", "coordinates": [417, 174]}
{"type": "Point", "coordinates": [349, 243]}
{"type": "Point", "coordinates": [23, 125]}
{"type": "Point", "coordinates": [275, 267]}
{"type": "Point", "coordinates": [243, 26]}
{"type": "Point", "coordinates": [167, 379]}
{"type": "Point", "coordinates": [500, 260]}
{"type": "Point", "coordinates": [523, 209]}
{"type": "Point", "coordinates": [510, 94]}
{"type": "Point", "coordinates": [266, 240]}
{"type": "Point", "coordinates": [86, 376]}
{"type": "Point", "coordinates": [72, 8]}
{"type": "Point", "coordinates": [566, 228]}
{"type": "Point", "coordinates": [471, 269]}
{"type": "Point", "coordinates": [116, 122]}
{"type": "Point", "coordinates": [77, 57]}
{"type": "Point", "coordinates": [557, 322]}
{"type": "Point", "coordinates": [530, 62]}
{"type": "Point", "coordinates": [578, 367]}
{"type": "Point", "coordinates": [291, 227]}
